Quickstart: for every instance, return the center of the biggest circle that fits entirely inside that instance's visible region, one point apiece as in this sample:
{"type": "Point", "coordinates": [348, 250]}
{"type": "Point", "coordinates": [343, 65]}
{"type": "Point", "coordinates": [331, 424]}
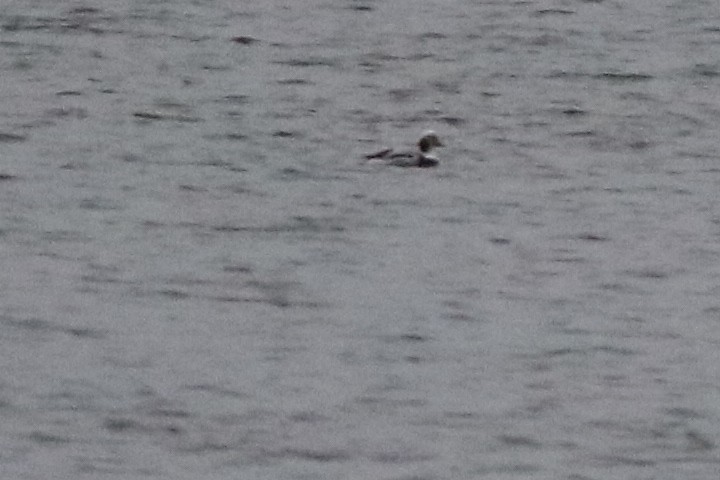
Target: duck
{"type": "Point", "coordinates": [420, 158]}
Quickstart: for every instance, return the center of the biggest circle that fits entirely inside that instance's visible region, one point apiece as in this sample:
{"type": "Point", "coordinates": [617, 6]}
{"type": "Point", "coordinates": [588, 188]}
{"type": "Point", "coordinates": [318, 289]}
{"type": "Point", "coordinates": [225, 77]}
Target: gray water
{"type": "Point", "coordinates": [200, 279]}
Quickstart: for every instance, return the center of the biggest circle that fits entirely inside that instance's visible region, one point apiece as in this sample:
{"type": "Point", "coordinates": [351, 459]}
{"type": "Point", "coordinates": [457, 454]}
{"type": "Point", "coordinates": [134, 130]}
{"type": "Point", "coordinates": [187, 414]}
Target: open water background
{"type": "Point", "coordinates": [200, 280]}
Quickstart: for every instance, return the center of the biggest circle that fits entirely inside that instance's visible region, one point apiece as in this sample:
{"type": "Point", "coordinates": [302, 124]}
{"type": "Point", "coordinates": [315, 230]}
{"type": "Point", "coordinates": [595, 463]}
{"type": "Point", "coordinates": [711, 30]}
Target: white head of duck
{"type": "Point", "coordinates": [410, 158]}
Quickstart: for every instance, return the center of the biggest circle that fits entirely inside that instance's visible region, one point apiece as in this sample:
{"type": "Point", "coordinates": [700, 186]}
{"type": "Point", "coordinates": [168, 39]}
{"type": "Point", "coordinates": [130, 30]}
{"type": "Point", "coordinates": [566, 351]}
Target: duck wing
{"type": "Point", "coordinates": [426, 161]}
{"type": "Point", "coordinates": [381, 154]}
{"type": "Point", "coordinates": [404, 159]}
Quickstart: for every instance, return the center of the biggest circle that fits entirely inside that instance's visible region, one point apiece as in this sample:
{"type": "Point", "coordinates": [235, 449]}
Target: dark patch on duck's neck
{"type": "Point", "coordinates": [424, 145]}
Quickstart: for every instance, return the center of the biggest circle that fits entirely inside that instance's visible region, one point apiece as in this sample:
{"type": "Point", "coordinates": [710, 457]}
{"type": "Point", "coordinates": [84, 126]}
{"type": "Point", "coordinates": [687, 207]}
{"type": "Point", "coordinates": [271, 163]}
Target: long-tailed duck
{"type": "Point", "coordinates": [410, 158]}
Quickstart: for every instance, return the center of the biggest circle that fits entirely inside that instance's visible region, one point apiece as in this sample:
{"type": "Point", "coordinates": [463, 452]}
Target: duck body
{"type": "Point", "coordinates": [403, 159]}
{"type": "Point", "coordinates": [419, 158]}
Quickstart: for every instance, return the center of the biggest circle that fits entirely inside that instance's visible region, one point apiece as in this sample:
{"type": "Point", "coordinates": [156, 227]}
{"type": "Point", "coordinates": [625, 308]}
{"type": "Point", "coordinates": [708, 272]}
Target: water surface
{"type": "Point", "coordinates": [200, 278]}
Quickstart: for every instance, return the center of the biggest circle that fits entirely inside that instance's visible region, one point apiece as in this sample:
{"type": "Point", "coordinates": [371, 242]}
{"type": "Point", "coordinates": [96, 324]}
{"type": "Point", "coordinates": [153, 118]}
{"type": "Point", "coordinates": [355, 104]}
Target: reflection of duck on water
{"type": "Point", "coordinates": [413, 158]}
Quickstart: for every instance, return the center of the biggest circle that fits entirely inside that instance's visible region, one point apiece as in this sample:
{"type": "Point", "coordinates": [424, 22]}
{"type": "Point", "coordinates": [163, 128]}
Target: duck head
{"type": "Point", "coordinates": [428, 141]}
